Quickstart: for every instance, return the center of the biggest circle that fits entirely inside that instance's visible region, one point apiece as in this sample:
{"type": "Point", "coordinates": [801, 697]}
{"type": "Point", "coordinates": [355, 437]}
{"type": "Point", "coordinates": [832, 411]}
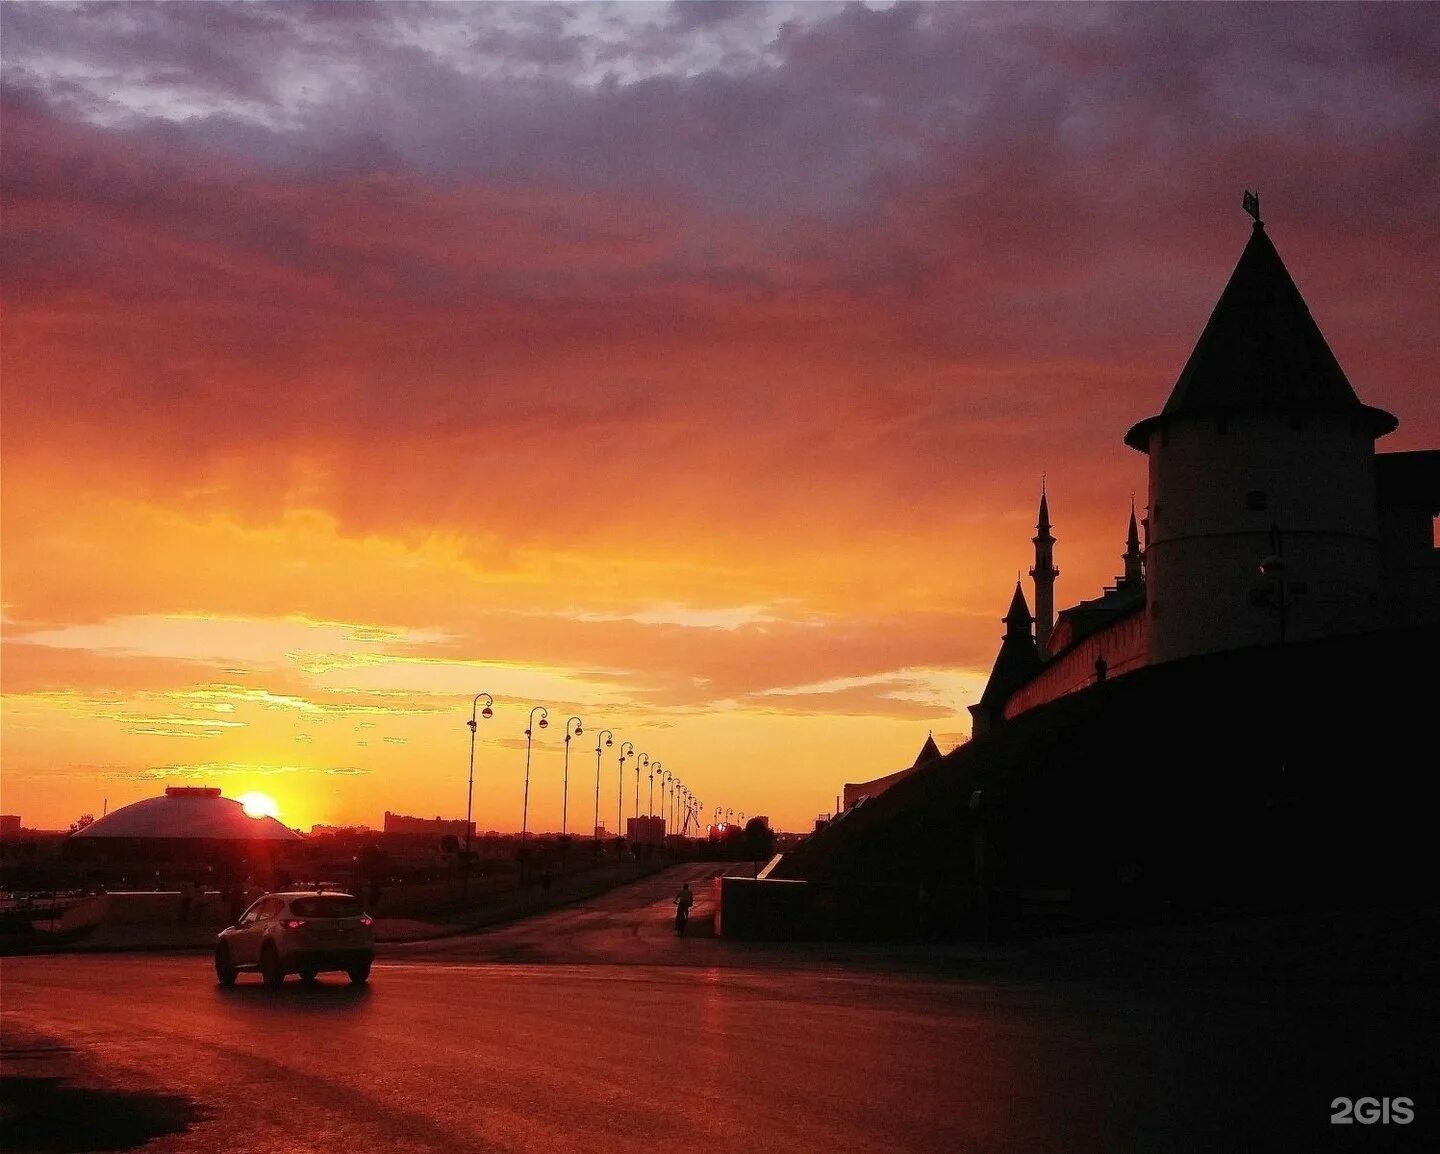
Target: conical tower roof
{"type": "Point", "coordinates": [1017, 662]}
{"type": "Point", "coordinates": [928, 752]}
{"type": "Point", "coordinates": [1018, 617]}
{"type": "Point", "coordinates": [1261, 352]}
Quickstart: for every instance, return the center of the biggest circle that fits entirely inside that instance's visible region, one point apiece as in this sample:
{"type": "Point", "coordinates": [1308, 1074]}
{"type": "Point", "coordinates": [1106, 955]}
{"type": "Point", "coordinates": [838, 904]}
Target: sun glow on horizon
{"type": "Point", "coordinates": [257, 804]}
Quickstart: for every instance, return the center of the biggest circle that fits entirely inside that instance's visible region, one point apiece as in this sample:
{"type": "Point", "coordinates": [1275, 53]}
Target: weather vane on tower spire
{"type": "Point", "coordinates": [1251, 204]}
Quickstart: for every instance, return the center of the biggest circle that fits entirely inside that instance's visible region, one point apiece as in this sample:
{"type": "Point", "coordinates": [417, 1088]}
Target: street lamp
{"type": "Point", "coordinates": [525, 810]}
{"type": "Point", "coordinates": [606, 738]}
{"type": "Point", "coordinates": [654, 769]}
{"type": "Point", "coordinates": [728, 812]}
{"type": "Point", "coordinates": [487, 713]}
{"type": "Point", "coordinates": [565, 795]}
{"type": "Point", "coordinates": [645, 758]}
{"type": "Point", "coordinates": [626, 750]}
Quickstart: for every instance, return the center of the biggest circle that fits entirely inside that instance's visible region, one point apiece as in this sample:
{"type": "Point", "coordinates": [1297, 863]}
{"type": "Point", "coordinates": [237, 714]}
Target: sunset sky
{"type": "Point", "coordinates": [690, 368]}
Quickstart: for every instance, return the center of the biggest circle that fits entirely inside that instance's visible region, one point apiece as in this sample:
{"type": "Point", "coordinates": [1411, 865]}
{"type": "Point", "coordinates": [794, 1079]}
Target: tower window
{"type": "Point", "coordinates": [1255, 500]}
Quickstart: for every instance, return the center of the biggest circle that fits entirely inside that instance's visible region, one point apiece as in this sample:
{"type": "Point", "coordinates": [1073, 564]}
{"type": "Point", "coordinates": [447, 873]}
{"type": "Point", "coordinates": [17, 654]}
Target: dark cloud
{"type": "Point", "coordinates": [798, 251]}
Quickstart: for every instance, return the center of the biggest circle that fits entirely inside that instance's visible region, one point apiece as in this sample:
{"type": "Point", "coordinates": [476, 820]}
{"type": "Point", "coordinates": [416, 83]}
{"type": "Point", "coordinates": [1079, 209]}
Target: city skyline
{"type": "Point", "coordinates": [691, 370]}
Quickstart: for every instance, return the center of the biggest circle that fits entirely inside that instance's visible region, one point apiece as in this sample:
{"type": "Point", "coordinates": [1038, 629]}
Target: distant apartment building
{"type": "Point", "coordinates": [9, 825]}
{"type": "Point", "coordinates": [437, 827]}
{"type": "Point", "coordinates": [645, 830]}
{"type": "Point", "coordinates": [322, 830]}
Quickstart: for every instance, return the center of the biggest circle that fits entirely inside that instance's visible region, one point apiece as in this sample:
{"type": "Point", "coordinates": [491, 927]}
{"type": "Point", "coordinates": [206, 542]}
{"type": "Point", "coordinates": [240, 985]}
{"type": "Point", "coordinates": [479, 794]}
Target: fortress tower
{"type": "Point", "coordinates": [1263, 457]}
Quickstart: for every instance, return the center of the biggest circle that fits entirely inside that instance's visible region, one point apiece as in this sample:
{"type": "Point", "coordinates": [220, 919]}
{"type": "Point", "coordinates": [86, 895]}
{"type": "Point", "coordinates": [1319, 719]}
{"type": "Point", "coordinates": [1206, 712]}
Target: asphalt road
{"type": "Point", "coordinates": [595, 1029]}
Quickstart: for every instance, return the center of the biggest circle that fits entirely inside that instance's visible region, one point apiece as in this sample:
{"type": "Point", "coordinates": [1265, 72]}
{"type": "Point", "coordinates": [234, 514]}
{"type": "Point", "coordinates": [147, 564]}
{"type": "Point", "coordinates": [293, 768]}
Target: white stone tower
{"type": "Point", "coordinates": [1262, 521]}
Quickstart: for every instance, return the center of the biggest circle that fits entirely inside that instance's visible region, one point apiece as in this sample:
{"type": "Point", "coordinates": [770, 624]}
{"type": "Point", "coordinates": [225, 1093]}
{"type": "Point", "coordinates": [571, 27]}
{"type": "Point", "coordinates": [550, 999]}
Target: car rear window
{"type": "Point", "coordinates": [327, 906]}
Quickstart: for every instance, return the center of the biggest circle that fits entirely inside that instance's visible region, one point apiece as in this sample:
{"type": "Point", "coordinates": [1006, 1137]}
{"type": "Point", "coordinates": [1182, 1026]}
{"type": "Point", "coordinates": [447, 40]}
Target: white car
{"type": "Point", "coordinates": [298, 933]}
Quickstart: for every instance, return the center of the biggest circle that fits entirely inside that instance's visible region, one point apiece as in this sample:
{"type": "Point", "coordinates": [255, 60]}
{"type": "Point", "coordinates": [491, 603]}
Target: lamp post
{"type": "Point", "coordinates": [487, 713]}
{"type": "Point", "coordinates": [626, 750]}
{"type": "Point", "coordinates": [645, 759]}
{"type": "Point", "coordinates": [525, 809]}
{"type": "Point", "coordinates": [565, 789]}
{"type": "Point", "coordinates": [666, 777]}
{"type": "Point", "coordinates": [605, 738]}
{"type": "Point", "coordinates": [654, 769]}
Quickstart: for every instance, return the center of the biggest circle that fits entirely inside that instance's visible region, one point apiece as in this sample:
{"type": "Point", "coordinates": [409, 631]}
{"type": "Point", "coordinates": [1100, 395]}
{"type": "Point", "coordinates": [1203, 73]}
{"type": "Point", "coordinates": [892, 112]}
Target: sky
{"type": "Point", "coordinates": [688, 368]}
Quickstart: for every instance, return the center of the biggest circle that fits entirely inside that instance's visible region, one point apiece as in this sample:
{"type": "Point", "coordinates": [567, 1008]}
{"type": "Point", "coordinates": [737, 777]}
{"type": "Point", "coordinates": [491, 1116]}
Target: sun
{"type": "Point", "coordinates": [259, 804]}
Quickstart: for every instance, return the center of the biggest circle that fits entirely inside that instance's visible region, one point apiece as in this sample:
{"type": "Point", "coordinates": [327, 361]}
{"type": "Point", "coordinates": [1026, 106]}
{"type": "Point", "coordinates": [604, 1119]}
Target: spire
{"type": "Point", "coordinates": [1044, 573]}
{"type": "Point", "coordinates": [1018, 619]}
{"type": "Point", "coordinates": [1016, 663]}
{"type": "Point", "coordinates": [929, 751]}
{"type": "Point", "coordinates": [1261, 351]}
{"type": "Point", "coordinates": [1133, 558]}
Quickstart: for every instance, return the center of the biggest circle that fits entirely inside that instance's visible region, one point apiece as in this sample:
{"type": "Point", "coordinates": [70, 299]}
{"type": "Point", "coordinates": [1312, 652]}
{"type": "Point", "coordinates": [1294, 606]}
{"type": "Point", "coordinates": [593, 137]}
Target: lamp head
{"type": "Point", "coordinates": [487, 712]}
{"type": "Point", "coordinates": [609, 741]}
{"type": "Point", "coordinates": [544, 724]}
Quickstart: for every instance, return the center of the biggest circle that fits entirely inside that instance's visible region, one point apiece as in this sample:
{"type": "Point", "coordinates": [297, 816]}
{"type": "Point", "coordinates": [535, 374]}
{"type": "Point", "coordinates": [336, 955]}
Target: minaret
{"type": "Point", "coordinates": [1044, 573]}
{"type": "Point", "coordinates": [1133, 558]}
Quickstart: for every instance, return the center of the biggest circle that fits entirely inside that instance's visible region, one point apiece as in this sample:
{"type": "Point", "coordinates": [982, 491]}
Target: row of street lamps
{"type": "Point", "coordinates": [681, 801]}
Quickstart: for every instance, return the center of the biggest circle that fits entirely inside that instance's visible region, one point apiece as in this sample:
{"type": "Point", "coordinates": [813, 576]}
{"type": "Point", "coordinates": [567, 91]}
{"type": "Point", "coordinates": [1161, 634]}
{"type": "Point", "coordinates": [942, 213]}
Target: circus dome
{"type": "Point", "coordinates": [188, 813]}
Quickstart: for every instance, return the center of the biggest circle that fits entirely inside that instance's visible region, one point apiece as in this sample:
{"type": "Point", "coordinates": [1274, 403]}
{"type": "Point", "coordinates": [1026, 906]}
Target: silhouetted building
{"type": "Point", "coordinates": [1017, 663]}
{"type": "Point", "coordinates": [9, 825]}
{"type": "Point", "coordinates": [1271, 517]}
{"type": "Point", "coordinates": [645, 830]}
{"type": "Point", "coordinates": [185, 813]}
{"type": "Point", "coordinates": [436, 827]}
{"type": "Point", "coordinates": [856, 792]}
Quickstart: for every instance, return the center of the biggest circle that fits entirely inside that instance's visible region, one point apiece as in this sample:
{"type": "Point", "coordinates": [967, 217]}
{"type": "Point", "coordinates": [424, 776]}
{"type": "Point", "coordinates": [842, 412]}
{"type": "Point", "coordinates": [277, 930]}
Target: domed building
{"type": "Point", "coordinates": [187, 813]}
{"type": "Point", "coordinates": [186, 825]}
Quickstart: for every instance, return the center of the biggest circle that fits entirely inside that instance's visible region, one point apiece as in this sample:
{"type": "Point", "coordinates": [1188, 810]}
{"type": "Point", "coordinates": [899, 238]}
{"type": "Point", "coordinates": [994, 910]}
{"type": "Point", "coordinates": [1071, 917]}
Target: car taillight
{"type": "Point", "coordinates": [366, 920]}
{"type": "Point", "coordinates": [294, 923]}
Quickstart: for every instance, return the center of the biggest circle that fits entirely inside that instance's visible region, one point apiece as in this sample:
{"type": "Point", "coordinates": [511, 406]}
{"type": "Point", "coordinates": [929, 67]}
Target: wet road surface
{"type": "Point", "coordinates": [611, 1034]}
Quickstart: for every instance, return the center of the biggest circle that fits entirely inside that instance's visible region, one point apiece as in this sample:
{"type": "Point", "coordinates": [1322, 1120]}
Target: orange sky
{"type": "Point", "coordinates": [691, 370]}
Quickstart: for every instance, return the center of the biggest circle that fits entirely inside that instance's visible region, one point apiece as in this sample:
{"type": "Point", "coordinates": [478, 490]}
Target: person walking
{"type": "Point", "coordinates": [683, 901]}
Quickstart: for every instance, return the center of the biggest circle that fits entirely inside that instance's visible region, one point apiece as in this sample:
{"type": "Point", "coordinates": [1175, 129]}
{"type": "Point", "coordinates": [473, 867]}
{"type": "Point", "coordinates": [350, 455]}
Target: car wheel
{"type": "Point", "coordinates": [270, 967]}
{"type": "Point", "coordinates": [224, 968]}
{"type": "Point", "coordinates": [360, 974]}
